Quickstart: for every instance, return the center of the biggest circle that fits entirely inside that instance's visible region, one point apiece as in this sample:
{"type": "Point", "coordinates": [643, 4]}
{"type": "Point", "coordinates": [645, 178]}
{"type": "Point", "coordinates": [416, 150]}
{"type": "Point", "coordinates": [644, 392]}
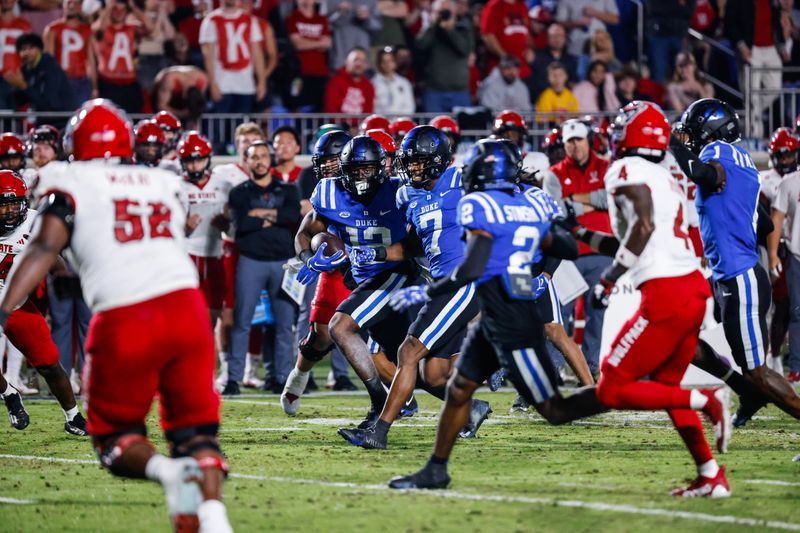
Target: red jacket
{"type": "Point", "coordinates": [574, 180]}
{"type": "Point", "coordinates": [346, 95]}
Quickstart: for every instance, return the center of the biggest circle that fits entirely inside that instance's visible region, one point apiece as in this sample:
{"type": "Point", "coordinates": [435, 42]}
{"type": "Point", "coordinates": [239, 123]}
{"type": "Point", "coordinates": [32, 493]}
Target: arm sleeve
{"type": "Point", "coordinates": [476, 256]}
{"type": "Point", "coordinates": [703, 174]}
{"type": "Point", "coordinates": [764, 225]}
{"type": "Point", "coordinates": [59, 204]}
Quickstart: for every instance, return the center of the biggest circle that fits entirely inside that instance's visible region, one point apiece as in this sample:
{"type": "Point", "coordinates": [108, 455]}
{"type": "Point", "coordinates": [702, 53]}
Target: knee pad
{"type": "Point", "coordinates": [308, 350]}
{"type": "Point", "coordinates": [110, 448]}
{"type": "Point", "coordinates": [185, 442]}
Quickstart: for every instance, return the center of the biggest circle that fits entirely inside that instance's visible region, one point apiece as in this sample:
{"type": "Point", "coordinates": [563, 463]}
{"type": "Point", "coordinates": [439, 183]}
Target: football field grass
{"type": "Point", "coordinates": [608, 473]}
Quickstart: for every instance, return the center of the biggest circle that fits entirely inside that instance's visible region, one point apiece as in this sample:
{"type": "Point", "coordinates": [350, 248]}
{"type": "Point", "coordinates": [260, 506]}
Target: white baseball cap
{"type": "Point", "coordinates": [574, 128]}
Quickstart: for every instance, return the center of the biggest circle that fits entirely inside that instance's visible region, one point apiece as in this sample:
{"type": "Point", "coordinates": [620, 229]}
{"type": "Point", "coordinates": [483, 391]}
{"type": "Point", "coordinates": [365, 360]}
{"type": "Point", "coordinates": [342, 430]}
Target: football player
{"type": "Point", "coordinates": [173, 130]}
{"type": "Point", "coordinates": [504, 229]}
{"type": "Point", "coordinates": [204, 195]}
{"type": "Point", "coordinates": [650, 243]}
{"type": "Point", "coordinates": [728, 188]}
{"type": "Point", "coordinates": [24, 325]}
{"type": "Point", "coordinates": [428, 201]}
{"type": "Point", "coordinates": [449, 127]}
{"type": "Point", "coordinates": [399, 127]}
{"type": "Point", "coordinates": [374, 122]}
{"type": "Point", "coordinates": [360, 207]}
{"type": "Point", "coordinates": [123, 226]}
{"type": "Point", "coordinates": [329, 292]}
{"type": "Point", "coordinates": [12, 152]}
{"type": "Point", "coordinates": [149, 143]}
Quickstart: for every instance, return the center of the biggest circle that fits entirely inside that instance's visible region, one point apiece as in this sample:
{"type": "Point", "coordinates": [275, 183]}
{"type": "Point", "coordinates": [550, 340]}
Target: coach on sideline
{"type": "Point", "coordinates": [266, 214]}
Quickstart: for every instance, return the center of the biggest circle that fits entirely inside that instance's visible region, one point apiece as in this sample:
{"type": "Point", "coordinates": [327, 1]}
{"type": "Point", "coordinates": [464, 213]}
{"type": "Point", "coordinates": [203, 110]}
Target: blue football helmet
{"type": "Point", "coordinates": [363, 163]}
{"type": "Point", "coordinates": [325, 158]}
{"type": "Point", "coordinates": [491, 164]}
{"type": "Point", "coordinates": [423, 156]}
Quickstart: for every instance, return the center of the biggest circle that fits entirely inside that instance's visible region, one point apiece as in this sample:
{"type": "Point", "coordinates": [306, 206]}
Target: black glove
{"type": "Point", "coordinates": [568, 221]}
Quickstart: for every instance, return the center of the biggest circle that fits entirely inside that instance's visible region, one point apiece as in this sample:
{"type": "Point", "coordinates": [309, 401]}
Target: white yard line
{"type": "Point", "coordinates": [777, 482]}
{"type": "Point", "coordinates": [455, 495]}
{"type": "Point", "coordinates": [15, 501]}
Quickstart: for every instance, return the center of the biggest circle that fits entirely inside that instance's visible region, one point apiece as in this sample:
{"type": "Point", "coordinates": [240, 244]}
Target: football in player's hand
{"type": "Point", "coordinates": [333, 243]}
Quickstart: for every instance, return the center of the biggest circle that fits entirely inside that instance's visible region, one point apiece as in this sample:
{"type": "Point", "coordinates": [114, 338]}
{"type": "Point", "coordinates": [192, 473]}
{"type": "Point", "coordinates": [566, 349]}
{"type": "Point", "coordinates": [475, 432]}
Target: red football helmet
{"type": "Point", "coordinates": [98, 130]}
{"type": "Point", "coordinates": [374, 122]}
{"type": "Point", "coordinates": [400, 126]}
{"type": "Point", "coordinates": [386, 140]}
{"type": "Point", "coordinates": [194, 147]}
{"type": "Point", "coordinates": [601, 140]}
{"type": "Point", "coordinates": [641, 128]}
{"type": "Point", "coordinates": [553, 146]}
{"type": "Point", "coordinates": [12, 152]}
{"type": "Point", "coordinates": [510, 125]}
{"type": "Point", "coordinates": [782, 148]}
{"type": "Point", "coordinates": [150, 142]}
{"type": "Point", "coordinates": [13, 200]}
{"type": "Point", "coordinates": [447, 124]}
{"type": "Point", "coordinates": [167, 121]}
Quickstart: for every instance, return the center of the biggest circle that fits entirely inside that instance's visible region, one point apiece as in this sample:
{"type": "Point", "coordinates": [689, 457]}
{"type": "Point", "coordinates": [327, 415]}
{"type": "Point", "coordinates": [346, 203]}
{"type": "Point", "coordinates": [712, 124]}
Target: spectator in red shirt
{"type": "Point", "coordinates": [286, 143]}
{"type": "Point", "coordinates": [116, 46]}
{"type": "Point", "coordinates": [190, 27]}
{"type": "Point", "coordinates": [349, 91]}
{"type": "Point", "coordinates": [309, 33]}
{"type": "Point", "coordinates": [11, 27]}
{"type": "Point", "coordinates": [579, 180]}
{"type": "Point", "coordinates": [69, 40]}
{"type": "Point", "coordinates": [505, 29]}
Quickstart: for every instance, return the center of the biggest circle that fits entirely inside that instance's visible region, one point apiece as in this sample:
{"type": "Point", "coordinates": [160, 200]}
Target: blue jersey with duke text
{"type": "Point", "coordinates": [377, 223]}
{"type": "Point", "coordinates": [517, 227]}
{"type": "Point", "coordinates": [546, 206]}
{"type": "Point", "coordinates": [434, 216]}
{"type": "Point", "coordinates": [728, 218]}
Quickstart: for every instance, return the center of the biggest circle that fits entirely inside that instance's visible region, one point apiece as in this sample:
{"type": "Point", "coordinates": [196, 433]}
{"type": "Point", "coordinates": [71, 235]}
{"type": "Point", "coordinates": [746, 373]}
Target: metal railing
{"type": "Point", "coordinates": [766, 109]}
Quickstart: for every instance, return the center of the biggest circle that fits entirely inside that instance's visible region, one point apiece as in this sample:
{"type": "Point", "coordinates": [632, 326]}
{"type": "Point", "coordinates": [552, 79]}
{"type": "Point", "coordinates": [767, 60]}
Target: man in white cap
{"type": "Point", "coordinates": [578, 181]}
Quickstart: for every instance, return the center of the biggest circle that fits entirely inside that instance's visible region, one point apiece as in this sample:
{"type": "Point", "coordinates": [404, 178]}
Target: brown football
{"type": "Point", "coordinates": [334, 243]}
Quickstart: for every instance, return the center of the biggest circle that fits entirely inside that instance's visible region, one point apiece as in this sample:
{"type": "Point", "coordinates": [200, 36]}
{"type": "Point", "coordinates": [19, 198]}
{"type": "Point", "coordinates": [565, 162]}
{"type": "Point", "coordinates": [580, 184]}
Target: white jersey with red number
{"type": "Point", "coordinates": [669, 252]}
{"type": "Point", "coordinates": [770, 181]}
{"type": "Point", "coordinates": [128, 237]}
{"type": "Point", "coordinates": [688, 186]}
{"type": "Point", "coordinates": [12, 244]}
{"type": "Point", "coordinates": [207, 202]}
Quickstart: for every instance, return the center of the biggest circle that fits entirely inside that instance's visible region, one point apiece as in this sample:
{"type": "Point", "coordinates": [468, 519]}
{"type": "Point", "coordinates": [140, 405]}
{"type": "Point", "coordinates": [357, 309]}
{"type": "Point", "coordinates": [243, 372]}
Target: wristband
{"type": "Point", "coordinates": [380, 253]}
{"type": "Point", "coordinates": [305, 255]}
{"type": "Point", "coordinates": [625, 257]}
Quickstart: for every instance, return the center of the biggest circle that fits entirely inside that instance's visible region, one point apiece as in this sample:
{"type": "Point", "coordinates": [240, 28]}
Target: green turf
{"type": "Point", "coordinates": [622, 459]}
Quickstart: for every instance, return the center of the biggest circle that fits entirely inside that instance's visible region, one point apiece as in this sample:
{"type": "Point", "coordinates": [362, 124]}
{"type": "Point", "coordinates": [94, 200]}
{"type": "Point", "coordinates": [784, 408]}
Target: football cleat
{"type": "Point", "coordinates": [293, 390]}
{"type": "Point", "coordinates": [17, 414]}
{"type": "Point", "coordinates": [706, 487]}
{"type": "Point", "coordinates": [478, 413]}
{"type": "Point", "coordinates": [426, 478]}
{"type": "Point", "coordinates": [719, 415]}
{"type": "Point", "coordinates": [520, 405]}
{"type": "Point", "coordinates": [76, 426]}
{"type": "Point", "coordinates": [409, 409]}
{"type": "Point", "coordinates": [370, 419]}
{"type": "Point", "coordinates": [796, 459]}
{"type": "Point", "coordinates": [366, 438]}
{"type": "Point", "coordinates": [749, 405]}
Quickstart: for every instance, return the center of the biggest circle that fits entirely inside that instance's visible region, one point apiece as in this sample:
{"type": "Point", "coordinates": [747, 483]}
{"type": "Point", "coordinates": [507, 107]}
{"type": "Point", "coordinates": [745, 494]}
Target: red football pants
{"type": "Point", "coordinates": [27, 329]}
{"type": "Point", "coordinates": [162, 346]}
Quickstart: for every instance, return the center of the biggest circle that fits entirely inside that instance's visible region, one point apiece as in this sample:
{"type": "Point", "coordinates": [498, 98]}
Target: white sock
{"type": "Point", "coordinates": [154, 466]}
{"type": "Point", "coordinates": [70, 414]}
{"type": "Point", "coordinates": [14, 365]}
{"type": "Point", "coordinates": [708, 469]}
{"type": "Point", "coordinates": [697, 400]}
{"type": "Point", "coordinates": [296, 378]}
{"type": "Point", "coordinates": [9, 390]}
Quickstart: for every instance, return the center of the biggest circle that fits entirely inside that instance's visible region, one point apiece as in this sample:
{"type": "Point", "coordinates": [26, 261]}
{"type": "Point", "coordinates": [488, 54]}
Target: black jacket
{"type": "Point", "coordinates": [48, 86]}
{"type": "Point", "coordinates": [740, 16]}
{"type": "Point", "coordinates": [276, 242]}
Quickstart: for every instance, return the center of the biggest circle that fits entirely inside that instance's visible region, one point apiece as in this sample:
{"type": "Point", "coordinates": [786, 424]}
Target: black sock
{"type": "Point", "coordinates": [381, 428]}
{"type": "Point", "coordinates": [437, 461]}
{"type": "Point", "coordinates": [377, 394]}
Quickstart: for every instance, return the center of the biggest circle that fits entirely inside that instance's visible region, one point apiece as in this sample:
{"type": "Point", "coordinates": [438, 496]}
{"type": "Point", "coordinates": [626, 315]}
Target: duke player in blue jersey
{"type": "Point", "coordinates": [429, 204]}
{"type": "Point", "coordinates": [728, 188]}
{"type": "Point", "coordinates": [504, 231]}
{"type": "Point", "coordinates": [360, 208]}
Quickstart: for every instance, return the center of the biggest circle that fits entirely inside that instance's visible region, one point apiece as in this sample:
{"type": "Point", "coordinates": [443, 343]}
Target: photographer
{"type": "Point", "coordinates": [447, 45]}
